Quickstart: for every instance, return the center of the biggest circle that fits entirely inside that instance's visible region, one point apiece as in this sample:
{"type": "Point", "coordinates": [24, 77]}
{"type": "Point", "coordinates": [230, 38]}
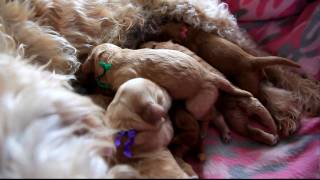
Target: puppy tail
{"type": "Point", "coordinates": [261, 62]}
{"type": "Point", "coordinates": [226, 86]}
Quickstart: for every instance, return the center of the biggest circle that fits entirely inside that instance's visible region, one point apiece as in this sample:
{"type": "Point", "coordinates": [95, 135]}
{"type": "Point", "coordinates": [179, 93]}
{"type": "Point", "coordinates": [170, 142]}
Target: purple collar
{"type": "Point", "coordinates": [131, 134]}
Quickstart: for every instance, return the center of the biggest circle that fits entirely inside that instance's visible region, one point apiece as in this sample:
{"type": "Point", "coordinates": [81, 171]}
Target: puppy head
{"type": "Point", "coordinates": [139, 103]}
{"type": "Point", "coordinates": [102, 51]}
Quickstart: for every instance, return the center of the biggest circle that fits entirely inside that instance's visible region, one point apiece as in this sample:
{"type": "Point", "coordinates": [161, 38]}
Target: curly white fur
{"type": "Point", "coordinates": [46, 130]}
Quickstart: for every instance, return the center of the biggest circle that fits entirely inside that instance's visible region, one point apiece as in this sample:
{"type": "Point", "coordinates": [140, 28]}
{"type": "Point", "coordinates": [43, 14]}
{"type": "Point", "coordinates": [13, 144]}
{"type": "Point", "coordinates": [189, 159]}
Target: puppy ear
{"type": "Point", "coordinates": [153, 113]}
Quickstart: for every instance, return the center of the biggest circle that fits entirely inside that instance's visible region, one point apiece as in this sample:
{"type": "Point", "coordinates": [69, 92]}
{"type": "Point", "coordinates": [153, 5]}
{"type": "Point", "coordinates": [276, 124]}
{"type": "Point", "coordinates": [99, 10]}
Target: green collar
{"type": "Point", "coordinates": [106, 67]}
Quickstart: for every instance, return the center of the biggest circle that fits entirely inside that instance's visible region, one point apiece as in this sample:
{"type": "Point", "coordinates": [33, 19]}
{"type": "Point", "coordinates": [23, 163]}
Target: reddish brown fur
{"type": "Point", "coordinates": [178, 73]}
{"type": "Point", "coordinates": [238, 110]}
{"type": "Point", "coordinates": [214, 116]}
{"type": "Point", "coordinates": [226, 56]}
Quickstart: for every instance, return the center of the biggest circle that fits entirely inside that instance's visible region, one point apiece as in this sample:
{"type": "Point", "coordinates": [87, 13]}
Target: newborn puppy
{"type": "Point", "coordinates": [240, 110]}
{"type": "Point", "coordinates": [178, 73]}
{"type": "Point", "coordinates": [240, 113]}
{"type": "Point", "coordinates": [214, 116]}
{"type": "Point", "coordinates": [178, 47]}
{"type": "Point", "coordinates": [227, 57]}
{"type": "Point", "coordinates": [142, 106]}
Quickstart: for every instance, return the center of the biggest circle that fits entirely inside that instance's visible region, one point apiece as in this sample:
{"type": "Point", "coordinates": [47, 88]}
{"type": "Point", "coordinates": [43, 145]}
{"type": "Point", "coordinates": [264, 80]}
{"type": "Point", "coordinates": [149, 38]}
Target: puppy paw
{"type": "Point", "coordinates": [226, 138]}
{"type": "Point", "coordinates": [275, 140]}
{"type": "Point", "coordinates": [287, 127]}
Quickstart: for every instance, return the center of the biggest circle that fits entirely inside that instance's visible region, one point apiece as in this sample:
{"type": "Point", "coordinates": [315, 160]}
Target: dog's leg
{"type": "Point", "coordinates": [262, 136]}
{"type": "Point", "coordinates": [223, 84]}
{"type": "Point", "coordinates": [220, 124]}
{"type": "Point", "coordinates": [223, 129]}
{"type": "Point", "coordinates": [201, 154]}
{"type": "Point", "coordinates": [265, 118]}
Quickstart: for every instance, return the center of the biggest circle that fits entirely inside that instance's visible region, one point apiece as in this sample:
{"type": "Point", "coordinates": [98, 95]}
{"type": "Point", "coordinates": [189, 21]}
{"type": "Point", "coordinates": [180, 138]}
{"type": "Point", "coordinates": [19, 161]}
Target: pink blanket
{"type": "Point", "coordinates": [289, 28]}
{"type": "Point", "coordinates": [296, 157]}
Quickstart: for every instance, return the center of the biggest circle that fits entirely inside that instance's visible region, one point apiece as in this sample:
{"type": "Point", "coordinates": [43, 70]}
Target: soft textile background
{"type": "Point", "coordinates": [289, 28]}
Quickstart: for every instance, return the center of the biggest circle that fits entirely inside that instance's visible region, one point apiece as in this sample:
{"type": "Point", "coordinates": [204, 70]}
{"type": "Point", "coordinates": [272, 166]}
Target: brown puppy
{"type": "Point", "coordinates": [178, 73]}
{"type": "Point", "coordinates": [215, 117]}
{"type": "Point", "coordinates": [227, 57]}
{"type": "Point", "coordinates": [141, 105]}
{"type": "Point", "coordinates": [239, 108]}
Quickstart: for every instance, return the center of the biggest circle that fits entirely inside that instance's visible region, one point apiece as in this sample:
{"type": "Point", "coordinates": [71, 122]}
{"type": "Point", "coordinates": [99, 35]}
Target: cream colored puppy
{"type": "Point", "coordinates": [140, 106]}
{"type": "Point", "coordinates": [182, 76]}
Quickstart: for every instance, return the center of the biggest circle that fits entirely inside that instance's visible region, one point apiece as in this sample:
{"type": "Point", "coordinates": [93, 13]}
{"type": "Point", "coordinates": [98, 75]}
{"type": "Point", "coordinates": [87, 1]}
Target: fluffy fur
{"type": "Point", "coordinates": [66, 31]}
{"type": "Point", "coordinates": [288, 112]}
{"type": "Point", "coordinates": [48, 131]}
{"type": "Point", "coordinates": [60, 34]}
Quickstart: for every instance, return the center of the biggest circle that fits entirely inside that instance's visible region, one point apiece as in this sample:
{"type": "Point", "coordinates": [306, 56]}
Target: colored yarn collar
{"type": "Point", "coordinates": [106, 67]}
{"type": "Point", "coordinates": [131, 134]}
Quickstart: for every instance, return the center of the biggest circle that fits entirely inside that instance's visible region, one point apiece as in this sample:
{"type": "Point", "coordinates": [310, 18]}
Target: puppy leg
{"type": "Point", "coordinates": [201, 154]}
{"type": "Point", "coordinates": [262, 136]}
{"type": "Point", "coordinates": [264, 117]}
{"type": "Point", "coordinates": [225, 85]}
{"type": "Point", "coordinates": [222, 127]}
